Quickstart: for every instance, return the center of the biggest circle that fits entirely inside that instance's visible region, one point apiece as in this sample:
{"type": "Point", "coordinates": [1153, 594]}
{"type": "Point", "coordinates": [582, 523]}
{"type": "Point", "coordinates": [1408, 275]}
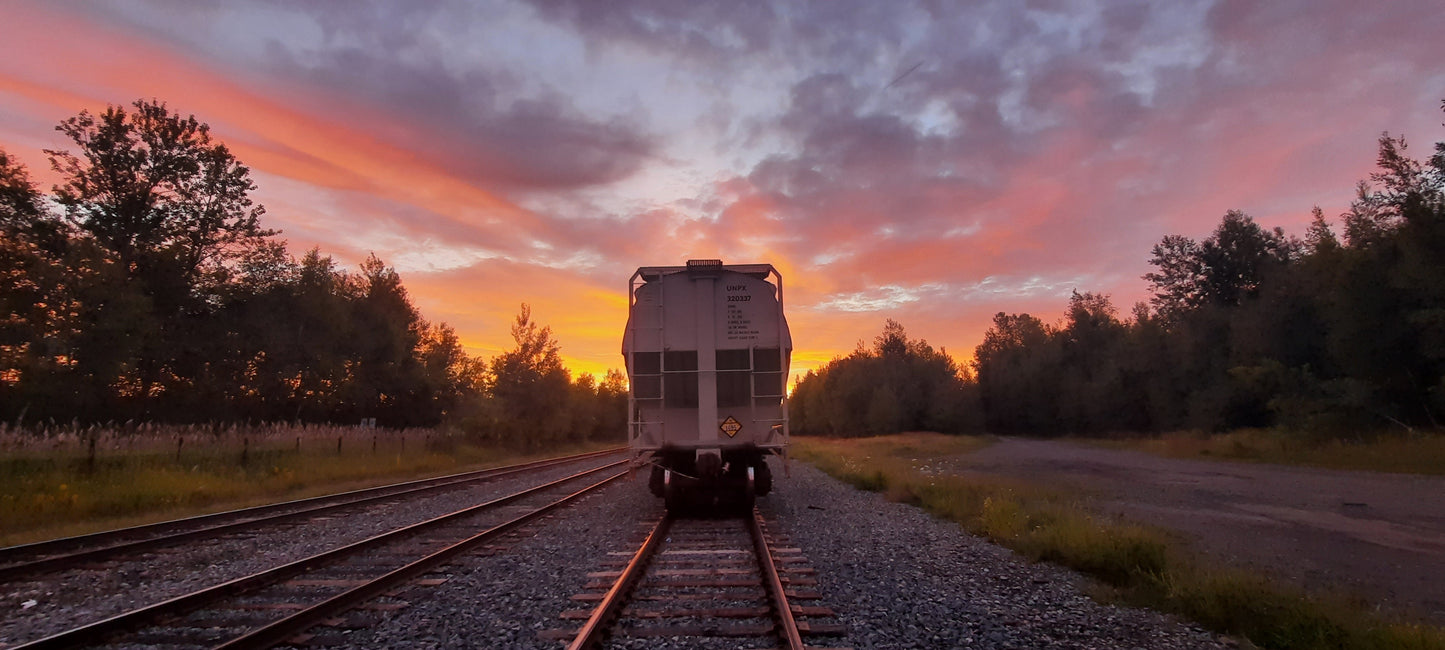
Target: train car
{"type": "Point", "coordinates": [707, 350]}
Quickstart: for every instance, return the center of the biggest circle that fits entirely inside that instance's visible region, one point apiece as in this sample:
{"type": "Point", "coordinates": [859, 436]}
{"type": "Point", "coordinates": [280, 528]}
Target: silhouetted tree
{"type": "Point", "coordinates": [1179, 283]}
{"type": "Point", "coordinates": [1226, 268]}
{"type": "Point", "coordinates": [899, 384]}
{"type": "Point", "coordinates": [36, 295]}
{"type": "Point", "coordinates": [1252, 328]}
{"type": "Point", "coordinates": [1015, 367]}
{"type": "Point", "coordinates": [153, 188]}
{"type": "Point", "coordinates": [528, 386]}
{"type": "Point", "coordinates": [157, 294]}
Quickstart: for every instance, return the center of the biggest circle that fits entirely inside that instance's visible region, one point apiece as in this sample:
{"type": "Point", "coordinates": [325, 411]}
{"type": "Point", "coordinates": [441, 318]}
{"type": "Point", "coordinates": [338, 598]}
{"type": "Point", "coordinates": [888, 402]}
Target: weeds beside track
{"type": "Point", "coordinates": [1138, 564]}
{"type": "Point", "coordinates": [71, 480]}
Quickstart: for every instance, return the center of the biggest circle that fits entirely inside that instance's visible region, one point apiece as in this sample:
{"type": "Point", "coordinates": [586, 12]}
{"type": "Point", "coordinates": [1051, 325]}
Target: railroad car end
{"type": "Point", "coordinates": [707, 349]}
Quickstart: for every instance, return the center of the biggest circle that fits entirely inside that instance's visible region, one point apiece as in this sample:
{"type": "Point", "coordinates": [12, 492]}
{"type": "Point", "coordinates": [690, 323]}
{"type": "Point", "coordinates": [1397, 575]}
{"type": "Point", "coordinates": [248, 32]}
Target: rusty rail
{"type": "Point", "coordinates": [609, 610]}
{"type": "Point", "coordinates": [591, 634]}
{"type": "Point", "coordinates": [274, 633]}
{"type": "Point", "coordinates": [782, 611]}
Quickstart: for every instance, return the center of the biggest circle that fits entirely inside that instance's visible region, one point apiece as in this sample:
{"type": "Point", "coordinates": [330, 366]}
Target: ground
{"type": "Point", "coordinates": [1371, 535]}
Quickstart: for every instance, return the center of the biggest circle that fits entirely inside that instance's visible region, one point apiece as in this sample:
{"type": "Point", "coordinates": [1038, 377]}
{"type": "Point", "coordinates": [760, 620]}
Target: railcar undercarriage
{"type": "Point", "coordinates": [710, 479]}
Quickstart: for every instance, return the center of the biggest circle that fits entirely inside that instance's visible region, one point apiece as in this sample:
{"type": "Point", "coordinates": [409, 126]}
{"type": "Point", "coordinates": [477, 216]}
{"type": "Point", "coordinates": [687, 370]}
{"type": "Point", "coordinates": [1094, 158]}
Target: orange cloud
{"type": "Point", "coordinates": [982, 182]}
{"type": "Point", "coordinates": [94, 66]}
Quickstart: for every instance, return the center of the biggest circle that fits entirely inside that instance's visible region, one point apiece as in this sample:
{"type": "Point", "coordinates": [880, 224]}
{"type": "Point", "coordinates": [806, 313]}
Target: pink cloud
{"type": "Point", "coordinates": [1013, 165]}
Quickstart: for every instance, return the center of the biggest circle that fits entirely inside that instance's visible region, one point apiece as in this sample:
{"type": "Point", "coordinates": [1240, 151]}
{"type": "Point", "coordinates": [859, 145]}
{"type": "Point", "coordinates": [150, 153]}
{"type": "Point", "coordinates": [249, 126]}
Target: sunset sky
{"type": "Point", "coordinates": [928, 161]}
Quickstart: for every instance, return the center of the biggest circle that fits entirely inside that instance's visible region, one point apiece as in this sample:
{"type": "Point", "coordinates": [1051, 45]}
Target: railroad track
{"type": "Point", "coordinates": [272, 606]}
{"type": "Point", "coordinates": [726, 580]}
{"type": "Point", "coordinates": [29, 560]}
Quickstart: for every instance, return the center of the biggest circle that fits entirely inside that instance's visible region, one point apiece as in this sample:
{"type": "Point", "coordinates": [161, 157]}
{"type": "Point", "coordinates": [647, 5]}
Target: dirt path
{"type": "Point", "coordinates": [1378, 536]}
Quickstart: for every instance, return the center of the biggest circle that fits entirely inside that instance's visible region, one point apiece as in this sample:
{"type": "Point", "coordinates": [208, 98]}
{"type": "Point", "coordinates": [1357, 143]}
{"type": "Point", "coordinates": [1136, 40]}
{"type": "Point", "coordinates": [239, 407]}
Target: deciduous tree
{"type": "Point", "coordinates": [155, 189]}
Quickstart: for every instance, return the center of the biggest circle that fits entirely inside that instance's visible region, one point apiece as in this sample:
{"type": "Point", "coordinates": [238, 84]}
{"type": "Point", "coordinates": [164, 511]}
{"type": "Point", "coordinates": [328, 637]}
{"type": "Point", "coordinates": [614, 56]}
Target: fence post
{"type": "Point", "coordinates": [245, 450]}
{"type": "Point", "coordinates": [180, 442]}
{"type": "Point", "coordinates": [338, 445]}
{"type": "Point", "coordinates": [373, 444]}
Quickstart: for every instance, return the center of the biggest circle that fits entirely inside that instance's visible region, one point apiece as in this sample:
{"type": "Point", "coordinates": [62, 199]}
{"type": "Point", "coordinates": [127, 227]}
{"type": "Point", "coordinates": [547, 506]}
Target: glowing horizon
{"type": "Point", "coordinates": [933, 165]}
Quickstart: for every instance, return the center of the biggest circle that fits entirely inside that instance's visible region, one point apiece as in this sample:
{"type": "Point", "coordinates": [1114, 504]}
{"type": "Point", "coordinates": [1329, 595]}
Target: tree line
{"type": "Point", "coordinates": [896, 384]}
{"type": "Point", "coordinates": [1332, 335]}
{"type": "Point", "coordinates": [144, 286]}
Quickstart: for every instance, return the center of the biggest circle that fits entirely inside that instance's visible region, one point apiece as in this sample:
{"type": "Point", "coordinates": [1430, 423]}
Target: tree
{"type": "Point", "coordinates": [451, 375]}
{"type": "Point", "coordinates": [537, 353]}
{"type": "Point", "coordinates": [34, 296]}
{"type": "Point", "coordinates": [1252, 328]}
{"type": "Point", "coordinates": [19, 200]}
{"type": "Point", "coordinates": [155, 293]}
{"type": "Point", "coordinates": [1017, 367]}
{"type": "Point", "coordinates": [899, 384]}
{"type": "Point", "coordinates": [1178, 284]}
{"type": "Point", "coordinates": [162, 217]}
{"type": "Point", "coordinates": [311, 345]}
{"type": "Point", "coordinates": [153, 188]}
{"type": "Point", "coordinates": [599, 408]}
{"type": "Point", "coordinates": [1094, 394]}
{"type": "Point", "coordinates": [1238, 256]}
{"type": "Point", "coordinates": [1408, 188]}
{"type": "Point", "coordinates": [529, 387]}
{"type": "Point", "coordinates": [1320, 238]}
{"type": "Point", "coordinates": [1224, 269]}
{"type": "Point", "coordinates": [388, 380]}
{"type": "Point", "coordinates": [1387, 306]}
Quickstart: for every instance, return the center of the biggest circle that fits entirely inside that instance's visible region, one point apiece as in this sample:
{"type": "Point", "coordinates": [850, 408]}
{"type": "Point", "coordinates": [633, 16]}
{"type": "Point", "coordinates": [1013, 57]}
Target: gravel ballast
{"type": "Point", "coordinates": [895, 575]}
{"type": "Point", "coordinates": [63, 600]}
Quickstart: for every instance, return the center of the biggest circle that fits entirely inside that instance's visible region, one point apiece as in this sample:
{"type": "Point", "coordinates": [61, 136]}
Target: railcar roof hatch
{"type": "Point", "coordinates": [702, 267]}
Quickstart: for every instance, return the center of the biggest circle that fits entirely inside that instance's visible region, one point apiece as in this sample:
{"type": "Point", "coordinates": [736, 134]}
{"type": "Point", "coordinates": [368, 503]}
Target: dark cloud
{"type": "Point", "coordinates": [931, 177]}
{"type": "Point", "coordinates": [704, 30]}
{"type": "Point", "coordinates": [725, 37]}
{"type": "Point", "coordinates": [386, 59]}
{"type": "Point", "coordinates": [524, 144]}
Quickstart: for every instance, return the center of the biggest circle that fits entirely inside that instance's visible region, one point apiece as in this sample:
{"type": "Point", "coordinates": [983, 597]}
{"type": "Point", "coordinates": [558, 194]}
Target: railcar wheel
{"type": "Point", "coordinates": [656, 482]}
{"type": "Point", "coordinates": [749, 493]}
{"type": "Point", "coordinates": [763, 483]}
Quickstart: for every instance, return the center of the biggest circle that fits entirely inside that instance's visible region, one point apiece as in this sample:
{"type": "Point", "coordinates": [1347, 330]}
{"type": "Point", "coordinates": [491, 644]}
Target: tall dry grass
{"type": "Point", "coordinates": [65, 480]}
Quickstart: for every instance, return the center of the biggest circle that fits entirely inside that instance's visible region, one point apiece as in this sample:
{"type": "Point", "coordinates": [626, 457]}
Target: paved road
{"type": "Point", "coordinates": [1379, 536]}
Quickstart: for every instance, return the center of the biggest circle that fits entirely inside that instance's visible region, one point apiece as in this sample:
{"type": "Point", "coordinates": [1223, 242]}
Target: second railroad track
{"type": "Point", "coordinates": [274, 605]}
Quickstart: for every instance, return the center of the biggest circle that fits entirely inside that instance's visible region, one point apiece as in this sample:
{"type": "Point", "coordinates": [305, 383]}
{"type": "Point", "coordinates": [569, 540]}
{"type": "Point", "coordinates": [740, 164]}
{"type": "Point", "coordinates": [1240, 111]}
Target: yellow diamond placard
{"type": "Point", "coordinates": [730, 426]}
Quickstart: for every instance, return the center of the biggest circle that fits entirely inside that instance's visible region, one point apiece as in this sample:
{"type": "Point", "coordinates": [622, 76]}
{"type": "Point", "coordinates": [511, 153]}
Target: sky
{"type": "Point", "coordinates": [927, 161]}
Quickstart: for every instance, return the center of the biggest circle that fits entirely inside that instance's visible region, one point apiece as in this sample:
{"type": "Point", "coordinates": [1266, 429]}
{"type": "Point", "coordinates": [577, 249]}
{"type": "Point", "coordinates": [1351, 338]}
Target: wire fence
{"type": "Point", "coordinates": [132, 438]}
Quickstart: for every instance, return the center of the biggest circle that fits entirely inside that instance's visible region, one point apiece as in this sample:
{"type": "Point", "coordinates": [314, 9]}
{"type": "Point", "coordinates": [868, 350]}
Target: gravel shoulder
{"type": "Point", "coordinates": [1371, 535]}
{"type": "Point", "coordinates": [898, 577]}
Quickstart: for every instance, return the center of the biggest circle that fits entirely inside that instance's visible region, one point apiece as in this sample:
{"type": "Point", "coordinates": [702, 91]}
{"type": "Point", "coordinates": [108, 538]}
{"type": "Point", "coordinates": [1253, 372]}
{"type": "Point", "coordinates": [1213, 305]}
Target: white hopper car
{"type": "Point", "coordinates": [707, 351]}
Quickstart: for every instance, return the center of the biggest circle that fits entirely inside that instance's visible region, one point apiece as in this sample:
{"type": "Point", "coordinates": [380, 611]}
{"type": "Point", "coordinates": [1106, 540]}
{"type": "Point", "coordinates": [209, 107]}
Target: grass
{"type": "Point", "coordinates": [1136, 564]}
{"type": "Point", "coordinates": [1387, 452]}
{"type": "Point", "coordinates": [55, 487]}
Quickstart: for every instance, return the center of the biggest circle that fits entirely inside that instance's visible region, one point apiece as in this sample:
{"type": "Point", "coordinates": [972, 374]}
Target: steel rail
{"type": "Point", "coordinates": [590, 636]}
{"type": "Point", "coordinates": [259, 515]}
{"type": "Point", "coordinates": [274, 633]}
{"type": "Point", "coordinates": [592, 632]}
{"type": "Point", "coordinates": [774, 584]}
{"type": "Point", "coordinates": [198, 599]}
